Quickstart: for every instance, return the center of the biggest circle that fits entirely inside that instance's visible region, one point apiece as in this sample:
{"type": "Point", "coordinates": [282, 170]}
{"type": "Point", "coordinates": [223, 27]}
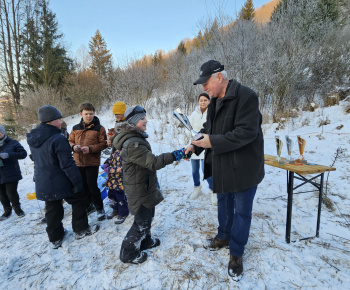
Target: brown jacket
{"type": "Point", "coordinates": [94, 136]}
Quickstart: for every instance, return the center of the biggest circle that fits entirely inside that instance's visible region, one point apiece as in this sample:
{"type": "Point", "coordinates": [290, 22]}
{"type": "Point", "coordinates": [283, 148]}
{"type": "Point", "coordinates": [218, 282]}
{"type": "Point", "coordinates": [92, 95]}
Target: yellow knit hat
{"type": "Point", "coordinates": [119, 108]}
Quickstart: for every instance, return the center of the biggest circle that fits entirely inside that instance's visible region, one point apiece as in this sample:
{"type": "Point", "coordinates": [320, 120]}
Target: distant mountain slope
{"type": "Point", "coordinates": [263, 13]}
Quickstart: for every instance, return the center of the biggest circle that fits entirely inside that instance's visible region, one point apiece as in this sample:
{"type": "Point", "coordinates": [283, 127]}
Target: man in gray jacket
{"type": "Point", "coordinates": [234, 156]}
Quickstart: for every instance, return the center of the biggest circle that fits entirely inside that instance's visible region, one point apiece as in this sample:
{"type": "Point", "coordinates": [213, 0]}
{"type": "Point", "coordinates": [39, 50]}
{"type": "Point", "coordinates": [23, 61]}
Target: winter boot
{"type": "Point", "coordinates": [142, 257]}
{"type": "Point", "coordinates": [197, 191]}
{"type": "Point", "coordinates": [6, 214]}
{"type": "Point", "coordinates": [214, 198]}
{"type": "Point", "coordinates": [101, 215]}
{"type": "Point", "coordinates": [120, 219]}
{"type": "Point", "coordinates": [87, 232]}
{"type": "Point", "coordinates": [112, 214]}
{"type": "Point", "coordinates": [155, 243]}
{"type": "Point", "coordinates": [235, 268]}
{"type": "Point", "coordinates": [215, 244]}
{"type": "Point", "coordinates": [19, 211]}
{"type": "Point", "coordinates": [58, 243]}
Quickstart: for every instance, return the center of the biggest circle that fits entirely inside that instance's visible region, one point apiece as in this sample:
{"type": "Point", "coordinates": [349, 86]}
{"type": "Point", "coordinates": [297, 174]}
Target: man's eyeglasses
{"type": "Point", "coordinates": [137, 110]}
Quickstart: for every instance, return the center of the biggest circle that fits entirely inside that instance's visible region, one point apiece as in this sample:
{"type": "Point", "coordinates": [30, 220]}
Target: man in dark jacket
{"type": "Point", "coordinates": [57, 177]}
{"type": "Point", "coordinates": [234, 156]}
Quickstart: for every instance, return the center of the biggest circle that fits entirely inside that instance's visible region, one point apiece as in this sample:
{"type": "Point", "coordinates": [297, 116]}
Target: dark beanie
{"type": "Point", "coordinates": [134, 118]}
{"type": "Point", "coordinates": [48, 113]}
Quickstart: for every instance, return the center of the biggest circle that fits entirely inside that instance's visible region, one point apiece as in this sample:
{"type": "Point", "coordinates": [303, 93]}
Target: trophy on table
{"type": "Point", "coordinates": [184, 120]}
{"type": "Point", "coordinates": [279, 145]}
{"type": "Point", "coordinates": [289, 149]}
{"type": "Point", "coordinates": [301, 143]}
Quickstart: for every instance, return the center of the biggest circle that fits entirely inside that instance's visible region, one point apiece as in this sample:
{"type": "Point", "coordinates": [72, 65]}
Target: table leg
{"type": "Point", "coordinates": [319, 205]}
{"type": "Point", "coordinates": [290, 179]}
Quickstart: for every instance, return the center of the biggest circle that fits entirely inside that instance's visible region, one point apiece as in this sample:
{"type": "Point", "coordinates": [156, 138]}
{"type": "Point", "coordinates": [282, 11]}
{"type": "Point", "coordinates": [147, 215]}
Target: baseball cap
{"type": "Point", "coordinates": [207, 69]}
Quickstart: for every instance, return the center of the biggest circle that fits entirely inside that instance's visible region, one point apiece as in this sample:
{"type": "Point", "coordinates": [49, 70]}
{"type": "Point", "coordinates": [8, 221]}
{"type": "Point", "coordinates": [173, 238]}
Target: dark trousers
{"type": "Point", "coordinates": [9, 195]}
{"type": "Point", "coordinates": [120, 201]}
{"type": "Point", "coordinates": [235, 215]}
{"type": "Point", "coordinates": [139, 235]}
{"type": "Point", "coordinates": [54, 216]}
{"type": "Point", "coordinates": [89, 175]}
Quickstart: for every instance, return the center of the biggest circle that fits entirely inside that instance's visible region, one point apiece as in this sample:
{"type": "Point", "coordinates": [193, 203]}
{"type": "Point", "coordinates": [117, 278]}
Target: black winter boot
{"type": "Point", "coordinates": [112, 214]}
{"type": "Point", "coordinates": [6, 214]}
{"type": "Point", "coordinates": [235, 268]}
{"type": "Point", "coordinates": [19, 211]}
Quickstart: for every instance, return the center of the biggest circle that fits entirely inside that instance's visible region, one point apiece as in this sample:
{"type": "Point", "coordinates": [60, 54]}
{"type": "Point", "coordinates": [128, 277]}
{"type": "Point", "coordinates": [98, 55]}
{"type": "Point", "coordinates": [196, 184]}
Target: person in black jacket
{"type": "Point", "coordinates": [57, 177]}
{"type": "Point", "coordinates": [234, 156]}
{"type": "Point", "coordinates": [10, 174]}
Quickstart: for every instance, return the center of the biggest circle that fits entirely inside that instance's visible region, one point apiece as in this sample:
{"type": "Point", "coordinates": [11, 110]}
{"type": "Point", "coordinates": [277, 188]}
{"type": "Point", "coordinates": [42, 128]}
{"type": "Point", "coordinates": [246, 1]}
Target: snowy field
{"type": "Point", "coordinates": [27, 260]}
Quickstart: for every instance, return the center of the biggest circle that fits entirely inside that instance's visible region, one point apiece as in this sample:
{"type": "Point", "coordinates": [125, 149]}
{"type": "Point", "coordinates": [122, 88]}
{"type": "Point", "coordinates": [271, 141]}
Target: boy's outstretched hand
{"type": "Point", "coordinates": [180, 154]}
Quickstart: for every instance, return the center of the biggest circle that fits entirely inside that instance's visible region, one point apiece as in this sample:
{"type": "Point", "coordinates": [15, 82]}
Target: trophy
{"type": "Point", "coordinates": [301, 143]}
{"type": "Point", "coordinates": [184, 120]}
{"type": "Point", "coordinates": [289, 149]}
{"type": "Point", "coordinates": [279, 145]}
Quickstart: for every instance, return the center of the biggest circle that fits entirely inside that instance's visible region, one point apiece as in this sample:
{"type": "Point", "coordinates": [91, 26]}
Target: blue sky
{"type": "Point", "coordinates": [137, 27]}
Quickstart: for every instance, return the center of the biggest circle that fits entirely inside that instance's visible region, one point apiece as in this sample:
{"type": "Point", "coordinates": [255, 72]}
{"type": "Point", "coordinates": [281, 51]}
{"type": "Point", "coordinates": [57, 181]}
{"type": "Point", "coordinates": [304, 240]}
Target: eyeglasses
{"type": "Point", "coordinates": [137, 110]}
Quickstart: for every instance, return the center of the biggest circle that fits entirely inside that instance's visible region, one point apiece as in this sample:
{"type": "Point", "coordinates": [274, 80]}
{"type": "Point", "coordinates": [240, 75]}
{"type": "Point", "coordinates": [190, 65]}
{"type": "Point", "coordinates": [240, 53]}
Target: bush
{"type": "Point", "coordinates": [330, 101]}
{"type": "Point", "coordinates": [33, 100]}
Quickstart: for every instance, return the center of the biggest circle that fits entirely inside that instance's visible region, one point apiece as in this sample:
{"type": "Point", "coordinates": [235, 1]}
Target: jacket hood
{"type": "Point", "coordinates": [40, 134]}
{"type": "Point", "coordinates": [125, 131]}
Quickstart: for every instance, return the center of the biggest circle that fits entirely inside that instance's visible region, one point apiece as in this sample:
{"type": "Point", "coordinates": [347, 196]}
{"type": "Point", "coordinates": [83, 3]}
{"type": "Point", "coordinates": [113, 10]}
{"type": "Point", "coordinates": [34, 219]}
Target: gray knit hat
{"type": "Point", "coordinates": [2, 130]}
{"type": "Point", "coordinates": [48, 113]}
{"type": "Point", "coordinates": [134, 114]}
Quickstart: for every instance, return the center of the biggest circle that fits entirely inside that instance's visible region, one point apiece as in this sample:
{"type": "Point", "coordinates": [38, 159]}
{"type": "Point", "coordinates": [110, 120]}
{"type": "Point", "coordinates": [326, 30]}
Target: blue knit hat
{"type": "Point", "coordinates": [2, 130]}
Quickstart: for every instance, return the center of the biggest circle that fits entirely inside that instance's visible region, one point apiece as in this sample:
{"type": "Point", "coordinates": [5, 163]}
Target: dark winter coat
{"type": "Point", "coordinates": [236, 159]}
{"type": "Point", "coordinates": [139, 167]}
{"type": "Point", "coordinates": [92, 135]}
{"type": "Point", "coordinates": [11, 171]}
{"type": "Point", "coordinates": [55, 171]}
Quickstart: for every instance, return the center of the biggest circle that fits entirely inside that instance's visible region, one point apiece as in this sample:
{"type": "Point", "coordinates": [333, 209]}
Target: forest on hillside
{"type": "Point", "coordinates": [298, 59]}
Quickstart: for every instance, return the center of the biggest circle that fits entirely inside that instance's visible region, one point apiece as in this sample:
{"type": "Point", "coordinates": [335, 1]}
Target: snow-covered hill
{"type": "Point", "coordinates": [28, 262]}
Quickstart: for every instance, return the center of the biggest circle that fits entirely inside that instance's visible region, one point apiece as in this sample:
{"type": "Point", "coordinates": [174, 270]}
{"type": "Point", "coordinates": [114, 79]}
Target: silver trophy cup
{"type": "Point", "coordinates": [184, 120]}
{"type": "Point", "coordinates": [289, 149]}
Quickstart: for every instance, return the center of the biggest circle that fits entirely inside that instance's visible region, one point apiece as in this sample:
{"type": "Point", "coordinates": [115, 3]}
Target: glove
{"type": "Point", "coordinates": [180, 154]}
{"type": "Point", "coordinates": [4, 155]}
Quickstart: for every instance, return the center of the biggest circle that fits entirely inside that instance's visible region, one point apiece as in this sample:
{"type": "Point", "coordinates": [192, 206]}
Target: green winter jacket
{"type": "Point", "coordinates": [139, 167]}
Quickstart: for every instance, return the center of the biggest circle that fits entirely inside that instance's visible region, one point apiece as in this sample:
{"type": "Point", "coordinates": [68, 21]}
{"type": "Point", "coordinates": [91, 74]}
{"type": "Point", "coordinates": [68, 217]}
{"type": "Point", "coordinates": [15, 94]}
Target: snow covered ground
{"type": "Point", "coordinates": [28, 262]}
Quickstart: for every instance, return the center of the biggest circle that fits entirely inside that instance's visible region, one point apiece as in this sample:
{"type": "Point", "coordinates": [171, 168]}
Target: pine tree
{"type": "Point", "coordinates": [46, 61]}
{"type": "Point", "coordinates": [248, 11]}
{"type": "Point", "coordinates": [56, 64]}
{"type": "Point", "coordinates": [310, 19]}
{"type": "Point", "coordinates": [181, 48]}
{"type": "Point", "coordinates": [101, 58]}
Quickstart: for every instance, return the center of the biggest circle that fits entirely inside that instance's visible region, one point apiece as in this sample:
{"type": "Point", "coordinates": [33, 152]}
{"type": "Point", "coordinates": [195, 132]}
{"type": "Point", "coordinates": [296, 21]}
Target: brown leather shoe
{"type": "Point", "coordinates": [235, 268]}
{"type": "Point", "coordinates": [215, 244]}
